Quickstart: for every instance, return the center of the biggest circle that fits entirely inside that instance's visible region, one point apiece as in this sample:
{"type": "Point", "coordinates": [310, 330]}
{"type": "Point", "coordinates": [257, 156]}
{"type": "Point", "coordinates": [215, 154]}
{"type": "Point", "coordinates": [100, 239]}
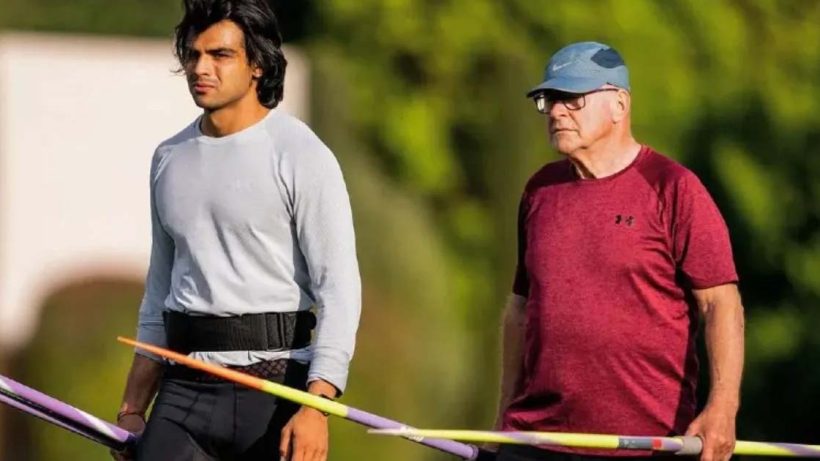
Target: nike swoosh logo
{"type": "Point", "coordinates": [556, 67]}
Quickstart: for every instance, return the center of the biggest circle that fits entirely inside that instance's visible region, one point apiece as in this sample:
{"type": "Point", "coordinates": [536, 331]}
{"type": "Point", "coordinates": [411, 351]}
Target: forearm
{"type": "Point", "coordinates": [335, 336]}
{"type": "Point", "coordinates": [337, 287]}
{"type": "Point", "coordinates": [724, 330]}
{"type": "Point", "coordinates": [723, 316]}
{"type": "Point", "coordinates": [141, 386]}
{"type": "Point", "coordinates": [512, 349]}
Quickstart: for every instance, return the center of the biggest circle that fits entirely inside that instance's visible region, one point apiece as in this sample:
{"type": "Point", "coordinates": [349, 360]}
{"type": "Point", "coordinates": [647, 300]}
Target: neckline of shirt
{"type": "Point", "coordinates": [591, 181]}
{"type": "Point", "coordinates": [202, 137]}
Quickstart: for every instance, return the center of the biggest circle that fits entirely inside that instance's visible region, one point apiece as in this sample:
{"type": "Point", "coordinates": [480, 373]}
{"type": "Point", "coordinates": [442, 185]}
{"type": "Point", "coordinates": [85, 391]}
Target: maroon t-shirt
{"type": "Point", "coordinates": [607, 267]}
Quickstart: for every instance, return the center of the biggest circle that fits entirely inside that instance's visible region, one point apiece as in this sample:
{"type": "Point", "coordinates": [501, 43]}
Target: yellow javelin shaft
{"type": "Point", "coordinates": [743, 447]}
{"type": "Point", "coordinates": [603, 441]}
{"type": "Point", "coordinates": [518, 438]}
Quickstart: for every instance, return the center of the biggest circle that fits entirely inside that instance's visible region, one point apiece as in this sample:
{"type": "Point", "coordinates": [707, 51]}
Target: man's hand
{"type": "Point", "coordinates": [140, 388]}
{"type": "Point", "coordinates": [716, 427]}
{"type": "Point", "coordinates": [305, 436]}
{"type": "Point", "coordinates": [135, 424]}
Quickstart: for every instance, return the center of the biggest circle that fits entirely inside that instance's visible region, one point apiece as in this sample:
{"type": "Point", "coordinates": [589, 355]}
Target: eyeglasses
{"type": "Point", "coordinates": [544, 101]}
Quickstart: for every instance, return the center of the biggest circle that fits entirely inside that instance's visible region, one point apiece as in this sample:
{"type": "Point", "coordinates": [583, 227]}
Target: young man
{"type": "Point", "coordinates": [251, 228]}
{"type": "Point", "coordinates": [621, 250]}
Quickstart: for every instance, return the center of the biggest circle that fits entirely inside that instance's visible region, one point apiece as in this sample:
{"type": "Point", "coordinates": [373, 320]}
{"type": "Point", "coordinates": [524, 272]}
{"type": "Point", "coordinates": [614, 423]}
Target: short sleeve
{"type": "Point", "coordinates": [700, 238]}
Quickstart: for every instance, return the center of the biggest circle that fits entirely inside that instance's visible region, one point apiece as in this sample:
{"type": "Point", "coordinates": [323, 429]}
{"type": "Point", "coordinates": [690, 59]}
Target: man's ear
{"type": "Point", "coordinates": [620, 106]}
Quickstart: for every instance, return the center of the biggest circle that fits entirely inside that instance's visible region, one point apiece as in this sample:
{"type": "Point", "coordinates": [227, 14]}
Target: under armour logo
{"type": "Point", "coordinates": [628, 220]}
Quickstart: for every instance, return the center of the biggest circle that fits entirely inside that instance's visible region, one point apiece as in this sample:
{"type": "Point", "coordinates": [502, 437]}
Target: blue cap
{"type": "Point", "coordinates": [582, 67]}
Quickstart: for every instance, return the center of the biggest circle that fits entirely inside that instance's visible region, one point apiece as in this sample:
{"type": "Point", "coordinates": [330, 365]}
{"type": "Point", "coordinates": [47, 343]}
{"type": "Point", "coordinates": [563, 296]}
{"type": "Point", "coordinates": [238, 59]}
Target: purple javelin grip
{"type": "Point", "coordinates": [63, 415]}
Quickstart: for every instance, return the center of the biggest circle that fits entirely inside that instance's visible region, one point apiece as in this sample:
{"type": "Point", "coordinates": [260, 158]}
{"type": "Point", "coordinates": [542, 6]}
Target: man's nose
{"type": "Point", "coordinates": [556, 110]}
{"type": "Point", "coordinates": [203, 66]}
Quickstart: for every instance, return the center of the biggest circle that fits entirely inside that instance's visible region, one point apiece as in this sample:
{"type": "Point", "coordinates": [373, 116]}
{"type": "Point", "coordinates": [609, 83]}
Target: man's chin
{"type": "Point", "coordinates": [563, 147]}
{"type": "Point", "coordinates": [206, 104]}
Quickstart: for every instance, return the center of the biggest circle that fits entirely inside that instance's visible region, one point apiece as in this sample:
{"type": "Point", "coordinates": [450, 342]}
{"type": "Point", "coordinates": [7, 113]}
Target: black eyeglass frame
{"type": "Point", "coordinates": [545, 100]}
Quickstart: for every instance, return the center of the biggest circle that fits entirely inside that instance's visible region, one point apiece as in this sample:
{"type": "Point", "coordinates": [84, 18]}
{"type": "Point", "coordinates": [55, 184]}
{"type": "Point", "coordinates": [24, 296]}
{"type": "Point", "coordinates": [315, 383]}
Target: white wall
{"type": "Point", "coordinates": [79, 120]}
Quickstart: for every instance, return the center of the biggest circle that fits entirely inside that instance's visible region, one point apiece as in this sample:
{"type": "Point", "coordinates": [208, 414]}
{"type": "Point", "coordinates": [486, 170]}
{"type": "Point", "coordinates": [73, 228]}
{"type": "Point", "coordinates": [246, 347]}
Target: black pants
{"type": "Point", "coordinates": [528, 453]}
{"type": "Point", "coordinates": [207, 420]}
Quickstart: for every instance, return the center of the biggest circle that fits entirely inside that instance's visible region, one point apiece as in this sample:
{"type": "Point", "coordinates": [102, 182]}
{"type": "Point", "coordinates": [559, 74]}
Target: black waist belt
{"type": "Point", "coordinates": [273, 331]}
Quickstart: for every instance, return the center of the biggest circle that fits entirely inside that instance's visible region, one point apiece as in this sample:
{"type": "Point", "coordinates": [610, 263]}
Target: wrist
{"type": "Point", "coordinates": [307, 409]}
{"type": "Point", "coordinates": [723, 404]}
{"type": "Point", "coordinates": [324, 396]}
{"type": "Point", "coordinates": [125, 414]}
{"type": "Point", "coordinates": [322, 388]}
{"type": "Point", "coordinates": [127, 410]}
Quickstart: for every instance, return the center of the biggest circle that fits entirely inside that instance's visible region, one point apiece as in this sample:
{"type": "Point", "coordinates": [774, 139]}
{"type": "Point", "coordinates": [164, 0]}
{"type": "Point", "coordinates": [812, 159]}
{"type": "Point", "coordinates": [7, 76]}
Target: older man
{"type": "Point", "coordinates": [621, 251]}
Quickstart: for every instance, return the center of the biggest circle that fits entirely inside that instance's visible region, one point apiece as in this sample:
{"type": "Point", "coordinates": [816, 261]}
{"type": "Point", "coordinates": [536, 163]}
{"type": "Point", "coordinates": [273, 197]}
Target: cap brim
{"type": "Point", "coordinates": [568, 85]}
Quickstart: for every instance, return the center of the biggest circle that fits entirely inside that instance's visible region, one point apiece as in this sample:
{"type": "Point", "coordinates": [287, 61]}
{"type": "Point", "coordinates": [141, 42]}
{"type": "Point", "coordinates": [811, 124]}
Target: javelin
{"type": "Point", "coordinates": [33, 411]}
{"type": "Point", "coordinates": [675, 445]}
{"type": "Point", "coordinates": [49, 409]}
{"type": "Point", "coordinates": [462, 450]}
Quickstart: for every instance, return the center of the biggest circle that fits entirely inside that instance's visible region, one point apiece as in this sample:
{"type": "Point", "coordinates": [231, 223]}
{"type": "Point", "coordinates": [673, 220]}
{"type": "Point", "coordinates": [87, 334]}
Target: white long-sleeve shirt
{"type": "Point", "coordinates": [257, 221]}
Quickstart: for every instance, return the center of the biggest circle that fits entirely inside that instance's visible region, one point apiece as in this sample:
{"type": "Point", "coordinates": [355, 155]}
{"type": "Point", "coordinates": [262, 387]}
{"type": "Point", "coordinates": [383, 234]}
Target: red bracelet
{"type": "Point", "coordinates": [125, 413]}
